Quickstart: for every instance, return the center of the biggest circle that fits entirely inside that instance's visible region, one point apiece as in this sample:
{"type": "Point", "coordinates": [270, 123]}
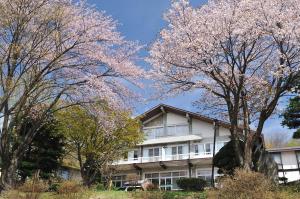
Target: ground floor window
{"type": "Point", "coordinates": [118, 181]}
{"type": "Point", "coordinates": [166, 180]}
{"type": "Point", "coordinates": [205, 174]}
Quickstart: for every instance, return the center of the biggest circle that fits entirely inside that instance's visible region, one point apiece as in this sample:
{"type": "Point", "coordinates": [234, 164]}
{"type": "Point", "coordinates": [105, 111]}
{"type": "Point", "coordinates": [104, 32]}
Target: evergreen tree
{"type": "Point", "coordinates": [292, 116]}
{"type": "Point", "coordinates": [44, 153]}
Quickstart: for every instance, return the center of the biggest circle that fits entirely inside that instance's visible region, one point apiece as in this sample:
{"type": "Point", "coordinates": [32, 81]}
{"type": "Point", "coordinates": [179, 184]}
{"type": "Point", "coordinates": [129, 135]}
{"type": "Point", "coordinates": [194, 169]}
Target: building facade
{"type": "Point", "coordinates": [288, 161]}
{"type": "Point", "coordinates": [178, 144]}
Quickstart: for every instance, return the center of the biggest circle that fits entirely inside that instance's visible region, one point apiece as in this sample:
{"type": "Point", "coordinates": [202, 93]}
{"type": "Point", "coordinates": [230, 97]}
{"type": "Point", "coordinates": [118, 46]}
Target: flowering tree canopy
{"type": "Point", "coordinates": [244, 54]}
{"type": "Point", "coordinates": [55, 51]}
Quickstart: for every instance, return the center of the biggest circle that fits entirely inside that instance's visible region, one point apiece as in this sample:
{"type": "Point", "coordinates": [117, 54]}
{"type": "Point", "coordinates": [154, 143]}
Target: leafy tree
{"type": "Point", "coordinates": [44, 152]}
{"type": "Point", "coordinates": [98, 141]}
{"type": "Point", "coordinates": [53, 50]}
{"type": "Point", "coordinates": [292, 116]}
{"type": "Point", "coordinates": [242, 56]}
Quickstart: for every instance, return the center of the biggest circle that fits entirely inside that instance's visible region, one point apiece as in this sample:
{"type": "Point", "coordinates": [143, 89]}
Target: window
{"type": "Point", "coordinates": [166, 180]}
{"type": "Point", "coordinates": [153, 178]}
{"type": "Point", "coordinates": [205, 174]}
{"type": "Point", "coordinates": [196, 149]}
{"type": "Point", "coordinates": [174, 150]}
{"type": "Point", "coordinates": [118, 181]}
{"type": "Point", "coordinates": [177, 150]}
{"type": "Point", "coordinates": [153, 152]}
{"type": "Point", "coordinates": [207, 148]}
{"type": "Point", "coordinates": [135, 154]}
{"type": "Point", "coordinates": [277, 159]}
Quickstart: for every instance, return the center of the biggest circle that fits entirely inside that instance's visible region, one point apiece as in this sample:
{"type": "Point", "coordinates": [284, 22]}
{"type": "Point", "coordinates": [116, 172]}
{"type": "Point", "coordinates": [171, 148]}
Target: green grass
{"type": "Point", "coordinates": [111, 195]}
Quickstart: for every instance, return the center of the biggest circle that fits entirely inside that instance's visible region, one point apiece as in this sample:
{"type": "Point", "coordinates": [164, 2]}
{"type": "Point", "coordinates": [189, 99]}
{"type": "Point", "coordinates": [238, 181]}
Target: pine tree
{"type": "Point", "coordinates": [292, 116]}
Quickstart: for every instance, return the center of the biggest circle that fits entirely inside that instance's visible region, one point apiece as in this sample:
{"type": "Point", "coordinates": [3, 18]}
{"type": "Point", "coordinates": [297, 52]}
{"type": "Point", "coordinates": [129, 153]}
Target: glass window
{"type": "Point", "coordinates": [174, 150]}
{"type": "Point", "coordinates": [277, 157]}
{"type": "Point", "coordinates": [150, 152]}
{"type": "Point", "coordinates": [168, 174]}
{"type": "Point", "coordinates": [156, 151]}
{"type": "Point", "coordinates": [135, 154]}
{"type": "Point", "coordinates": [207, 148]}
{"type": "Point", "coordinates": [196, 149]}
{"type": "Point", "coordinates": [180, 150]}
{"type": "Point", "coordinates": [205, 175]}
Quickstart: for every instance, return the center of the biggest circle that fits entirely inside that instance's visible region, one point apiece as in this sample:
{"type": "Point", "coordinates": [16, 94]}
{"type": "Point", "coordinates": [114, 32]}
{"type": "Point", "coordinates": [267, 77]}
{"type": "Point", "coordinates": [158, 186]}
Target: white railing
{"type": "Point", "coordinates": [129, 161]}
{"type": "Point", "coordinates": [153, 132]}
{"type": "Point", "coordinates": [201, 155]}
{"type": "Point", "coordinates": [172, 130]}
{"type": "Point", "coordinates": [152, 159]}
{"type": "Point", "coordinates": [165, 158]}
{"type": "Point", "coordinates": [177, 157]}
{"type": "Point", "coordinates": [177, 130]}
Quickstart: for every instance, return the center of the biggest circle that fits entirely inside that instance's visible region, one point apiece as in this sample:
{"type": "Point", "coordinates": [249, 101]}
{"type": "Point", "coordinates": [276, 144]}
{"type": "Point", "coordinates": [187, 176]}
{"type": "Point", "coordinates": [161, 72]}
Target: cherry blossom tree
{"type": "Point", "coordinates": [52, 52]}
{"type": "Point", "coordinates": [244, 55]}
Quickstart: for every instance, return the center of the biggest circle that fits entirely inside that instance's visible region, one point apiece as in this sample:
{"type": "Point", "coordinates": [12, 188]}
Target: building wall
{"type": "Point", "coordinates": [173, 118]}
{"type": "Point", "coordinates": [289, 160]}
{"type": "Point", "coordinates": [203, 128]}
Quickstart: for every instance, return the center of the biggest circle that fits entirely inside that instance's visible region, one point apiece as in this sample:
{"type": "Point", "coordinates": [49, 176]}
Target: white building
{"type": "Point", "coordinates": [178, 144]}
{"type": "Point", "coordinates": [288, 161]}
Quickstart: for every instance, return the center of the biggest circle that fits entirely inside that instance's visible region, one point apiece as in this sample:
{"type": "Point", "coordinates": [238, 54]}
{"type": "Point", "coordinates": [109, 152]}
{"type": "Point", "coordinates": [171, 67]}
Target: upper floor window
{"type": "Point", "coordinates": [177, 130]}
{"type": "Point", "coordinates": [153, 152]}
{"type": "Point", "coordinates": [207, 148]}
{"type": "Point", "coordinates": [135, 154]}
{"type": "Point", "coordinates": [177, 150]}
{"type": "Point", "coordinates": [154, 132]}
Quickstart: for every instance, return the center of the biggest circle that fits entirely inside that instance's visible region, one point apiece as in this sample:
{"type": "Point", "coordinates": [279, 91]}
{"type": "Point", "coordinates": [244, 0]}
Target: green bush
{"type": "Point", "coordinates": [191, 184]}
{"type": "Point", "coordinates": [54, 187]}
{"type": "Point", "coordinates": [100, 187]}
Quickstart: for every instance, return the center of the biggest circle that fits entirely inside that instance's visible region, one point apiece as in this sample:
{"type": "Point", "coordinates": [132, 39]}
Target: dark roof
{"type": "Point", "coordinates": [158, 109]}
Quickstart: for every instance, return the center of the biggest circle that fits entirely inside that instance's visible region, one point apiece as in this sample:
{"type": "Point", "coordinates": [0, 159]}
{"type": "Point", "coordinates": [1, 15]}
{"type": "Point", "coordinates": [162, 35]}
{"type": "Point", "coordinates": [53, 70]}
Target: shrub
{"type": "Point", "coordinates": [54, 187]}
{"type": "Point", "coordinates": [68, 187]}
{"type": "Point", "coordinates": [33, 186]}
{"type": "Point", "coordinates": [100, 187]}
{"type": "Point", "coordinates": [191, 184]}
{"type": "Point", "coordinates": [151, 187]}
{"type": "Point", "coordinates": [244, 184]}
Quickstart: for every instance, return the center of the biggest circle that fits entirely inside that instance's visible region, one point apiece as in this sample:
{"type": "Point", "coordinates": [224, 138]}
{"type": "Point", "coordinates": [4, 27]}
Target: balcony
{"type": "Point", "coordinates": [165, 158]}
{"type": "Point", "coordinates": [177, 157]}
{"type": "Point", "coordinates": [171, 130]}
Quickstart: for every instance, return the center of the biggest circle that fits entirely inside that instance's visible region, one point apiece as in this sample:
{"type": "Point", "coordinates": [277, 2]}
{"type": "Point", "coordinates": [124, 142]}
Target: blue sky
{"type": "Point", "coordinates": [141, 20]}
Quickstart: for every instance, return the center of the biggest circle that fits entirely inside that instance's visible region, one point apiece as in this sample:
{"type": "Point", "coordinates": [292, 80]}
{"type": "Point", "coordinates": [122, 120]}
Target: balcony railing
{"type": "Point", "coordinates": [165, 158]}
{"type": "Point", "coordinates": [171, 130]}
{"type": "Point", "coordinates": [177, 157]}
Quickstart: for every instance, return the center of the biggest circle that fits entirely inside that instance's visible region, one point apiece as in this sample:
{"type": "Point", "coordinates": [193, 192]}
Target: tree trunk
{"type": "Point", "coordinates": [237, 148]}
{"type": "Point", "coordinates": [248, 162]}
{"type": "Point", "coordinates": [9, 174]}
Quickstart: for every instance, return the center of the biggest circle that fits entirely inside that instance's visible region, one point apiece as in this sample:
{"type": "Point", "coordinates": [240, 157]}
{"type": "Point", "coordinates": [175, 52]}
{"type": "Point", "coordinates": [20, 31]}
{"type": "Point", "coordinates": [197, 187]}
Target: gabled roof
{"type": "Point", "coordinates": [158, 109]}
